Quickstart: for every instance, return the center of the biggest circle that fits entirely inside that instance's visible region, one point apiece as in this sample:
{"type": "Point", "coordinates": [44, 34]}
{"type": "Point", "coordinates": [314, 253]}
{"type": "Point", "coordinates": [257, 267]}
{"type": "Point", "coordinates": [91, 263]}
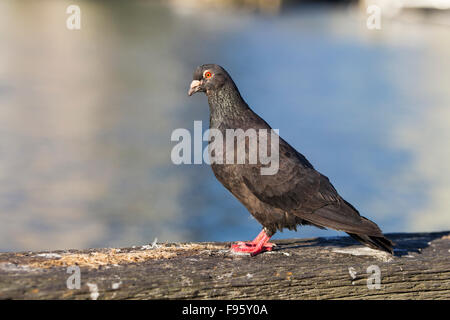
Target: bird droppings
{"type": "Point", "coordinates": [237, 253]}
{"type": "Point", "coordinates": [12, 267]}
{"type": "Point", "coordinates": [352, 272]}
{"type": "Point", "coordinates": [93, 289]}
{"type": "Point", "coordinates": [49, 255]}
{"type": "Point", "coordinates": [115, 257]}
{"type": "Point", "coordinates": [153, 245]}
{"type": "Point", "coordinates": [365, 251]}
{"type": "Point", "coordinates": [249, 275]}
{"type": "Point", "coordinates": [116, 285]}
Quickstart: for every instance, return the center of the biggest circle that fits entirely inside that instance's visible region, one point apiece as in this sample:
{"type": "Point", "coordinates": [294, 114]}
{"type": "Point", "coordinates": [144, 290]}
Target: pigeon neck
{"type": "Point", "coordinates": [226, 105]}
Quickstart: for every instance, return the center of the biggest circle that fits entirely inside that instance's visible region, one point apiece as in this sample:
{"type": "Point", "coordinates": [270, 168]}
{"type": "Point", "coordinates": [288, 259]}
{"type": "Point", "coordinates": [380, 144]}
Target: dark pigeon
{"type": "Point", "coordinates": [296, 195]}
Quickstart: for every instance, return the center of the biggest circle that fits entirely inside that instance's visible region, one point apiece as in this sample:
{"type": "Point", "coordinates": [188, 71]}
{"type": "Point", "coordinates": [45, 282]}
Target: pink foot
{"type": "Point", "coordinates": [260, 244]}
{"type": "Point", "coordinates": [249, 247]}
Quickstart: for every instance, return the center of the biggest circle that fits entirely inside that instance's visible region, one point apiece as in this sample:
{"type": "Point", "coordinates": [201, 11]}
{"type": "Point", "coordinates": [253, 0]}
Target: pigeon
{"type": "Point", "coordinates": [295, 195]}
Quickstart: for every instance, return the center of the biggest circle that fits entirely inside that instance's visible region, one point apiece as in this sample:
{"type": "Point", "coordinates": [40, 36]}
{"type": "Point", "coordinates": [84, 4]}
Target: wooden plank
{"type": "Point", "coordinates": [320, 268]}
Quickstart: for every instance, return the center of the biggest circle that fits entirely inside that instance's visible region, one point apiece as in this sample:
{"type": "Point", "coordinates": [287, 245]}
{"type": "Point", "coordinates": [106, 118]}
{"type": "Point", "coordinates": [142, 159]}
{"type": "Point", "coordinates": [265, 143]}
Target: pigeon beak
{"type": "Point", "coordinates": [195, 87]}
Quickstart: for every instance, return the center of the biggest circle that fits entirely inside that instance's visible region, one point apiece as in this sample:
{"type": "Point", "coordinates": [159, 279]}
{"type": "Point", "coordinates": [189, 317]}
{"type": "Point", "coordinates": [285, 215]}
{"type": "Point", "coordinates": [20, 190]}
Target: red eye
{"type": "Point", "coordinates": [207, 74]}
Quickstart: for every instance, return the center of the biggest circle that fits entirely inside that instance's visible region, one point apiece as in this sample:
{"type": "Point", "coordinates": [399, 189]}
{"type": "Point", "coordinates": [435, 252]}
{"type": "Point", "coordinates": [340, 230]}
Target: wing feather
{"type": "Point", "coordinates": [299, 189]}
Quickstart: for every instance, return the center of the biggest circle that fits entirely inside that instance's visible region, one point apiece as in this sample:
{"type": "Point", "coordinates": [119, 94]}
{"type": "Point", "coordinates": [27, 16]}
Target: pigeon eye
{"type": "Point", "coordinates": [207, 74]}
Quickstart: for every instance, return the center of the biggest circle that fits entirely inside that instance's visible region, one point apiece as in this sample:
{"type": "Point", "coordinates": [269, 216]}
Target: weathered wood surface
{"type": "Point", "coordinates": [320, 268]}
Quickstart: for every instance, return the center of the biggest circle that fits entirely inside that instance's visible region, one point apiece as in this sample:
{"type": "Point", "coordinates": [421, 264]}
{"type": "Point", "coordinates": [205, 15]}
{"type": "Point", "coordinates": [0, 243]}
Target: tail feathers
{"type": "Point", "coordinates": [375, 242]}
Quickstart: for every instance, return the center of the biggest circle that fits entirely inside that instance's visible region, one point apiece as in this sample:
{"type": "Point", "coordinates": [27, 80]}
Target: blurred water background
{"type": "Point", "coordinates": [86, 116]}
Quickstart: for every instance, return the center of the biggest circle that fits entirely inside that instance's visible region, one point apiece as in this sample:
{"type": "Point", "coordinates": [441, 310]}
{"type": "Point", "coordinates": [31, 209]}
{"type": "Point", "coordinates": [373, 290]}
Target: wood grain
{"type": "Point", "coordinates": [320, 268]}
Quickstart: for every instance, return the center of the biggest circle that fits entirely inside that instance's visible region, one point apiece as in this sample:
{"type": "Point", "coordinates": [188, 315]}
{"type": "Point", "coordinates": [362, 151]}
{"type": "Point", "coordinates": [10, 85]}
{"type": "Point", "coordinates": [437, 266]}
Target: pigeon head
{"type": "Point", "coordinates": [225, 101]}
{"type": "Point", "coordinates": [209, 78]}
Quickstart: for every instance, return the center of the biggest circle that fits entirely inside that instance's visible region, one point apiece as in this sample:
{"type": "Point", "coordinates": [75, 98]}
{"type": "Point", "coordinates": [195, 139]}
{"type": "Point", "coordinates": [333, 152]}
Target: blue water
{"type": "Point", "coordinates": [86, 118]}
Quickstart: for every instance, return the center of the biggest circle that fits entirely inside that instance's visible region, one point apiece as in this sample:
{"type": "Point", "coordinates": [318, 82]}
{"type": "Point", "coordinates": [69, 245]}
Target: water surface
{"type": "Point", "coordinates": [86, 118]}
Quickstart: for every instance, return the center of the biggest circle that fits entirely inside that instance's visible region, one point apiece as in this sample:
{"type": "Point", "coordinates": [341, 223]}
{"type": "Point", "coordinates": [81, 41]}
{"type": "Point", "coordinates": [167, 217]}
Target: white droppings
{"type": "Point", "coordinates": [49, 255]}
{"type": "Point", "coordinates": [93, 289]}
{"type": "Point", "coordinates": [116, 285]}
{"type": "Point", "coordinates": [154, 245]}
{"type": "Point", "coordinates": [12, 267]}
{"type": "Point", "coordinates": [237, 253]}
{"type": "Point", "coordinates": [287, 254]}
{"type": "Point", "coordinates": [249, 276]}
{"type": "Point", "coordinates": [365, 251]}
{"type": "Point", "coordinates": [352, 272]}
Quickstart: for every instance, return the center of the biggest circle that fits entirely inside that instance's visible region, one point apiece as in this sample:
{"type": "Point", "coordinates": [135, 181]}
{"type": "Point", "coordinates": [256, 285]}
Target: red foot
{"type": "Point", "coordinates": [258, 245]}
{"type": "Point", "coordinates": [248, 247]}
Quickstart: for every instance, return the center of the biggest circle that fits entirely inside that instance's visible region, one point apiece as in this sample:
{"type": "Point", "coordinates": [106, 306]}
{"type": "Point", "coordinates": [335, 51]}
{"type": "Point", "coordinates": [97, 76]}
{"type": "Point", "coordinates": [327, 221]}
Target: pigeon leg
{"type": "Point", "coordinates": [258, 245]}
{"type": "Point", "coordinates": [254, 241]}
